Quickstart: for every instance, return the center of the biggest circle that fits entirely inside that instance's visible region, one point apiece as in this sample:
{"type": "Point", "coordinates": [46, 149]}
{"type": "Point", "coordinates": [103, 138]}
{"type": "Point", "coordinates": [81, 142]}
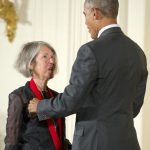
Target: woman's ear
{"type": "Point", "coordinates": [30, 66]}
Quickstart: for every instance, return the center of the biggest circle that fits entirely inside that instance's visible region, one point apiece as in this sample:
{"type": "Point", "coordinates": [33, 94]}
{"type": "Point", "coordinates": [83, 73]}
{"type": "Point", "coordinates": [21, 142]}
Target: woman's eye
{"type": "Point", "coordinates": [45, 56]}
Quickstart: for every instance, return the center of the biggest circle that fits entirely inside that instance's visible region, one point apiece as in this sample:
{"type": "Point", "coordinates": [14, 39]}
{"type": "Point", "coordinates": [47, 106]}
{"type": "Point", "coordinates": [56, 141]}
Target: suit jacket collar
{"type": "Point", "coordinates": [107, 27]}
{"type": "Point", "coordinates": [110, 31]}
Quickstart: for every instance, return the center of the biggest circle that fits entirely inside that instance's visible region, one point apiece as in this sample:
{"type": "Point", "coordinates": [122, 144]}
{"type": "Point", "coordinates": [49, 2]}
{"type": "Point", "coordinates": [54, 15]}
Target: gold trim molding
{"type": "Point", "coordinates": [8, 14]}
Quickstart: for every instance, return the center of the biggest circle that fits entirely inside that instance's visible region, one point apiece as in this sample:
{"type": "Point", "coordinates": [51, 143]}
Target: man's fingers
{"type": "Point", "coordinates": [32, 106]}
{"type": "Point", "coordinates": [33, 101]}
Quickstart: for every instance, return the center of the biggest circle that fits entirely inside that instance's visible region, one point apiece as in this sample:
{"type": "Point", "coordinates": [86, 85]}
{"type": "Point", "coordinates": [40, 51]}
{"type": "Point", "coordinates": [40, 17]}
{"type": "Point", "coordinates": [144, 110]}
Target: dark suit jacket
{"type": "Point", "coordinates": [23, 132]}
{"type": "Point", "coordinates": [106, 91]}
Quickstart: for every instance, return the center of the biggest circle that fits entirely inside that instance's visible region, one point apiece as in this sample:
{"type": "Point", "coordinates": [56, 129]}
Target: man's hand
{"type": "Point", "coordinates": [32, 107]}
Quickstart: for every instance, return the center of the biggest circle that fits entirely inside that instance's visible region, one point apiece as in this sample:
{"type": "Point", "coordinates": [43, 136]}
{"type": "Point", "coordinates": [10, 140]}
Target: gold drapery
{"type": "Point", "coordinates": [8, 14]}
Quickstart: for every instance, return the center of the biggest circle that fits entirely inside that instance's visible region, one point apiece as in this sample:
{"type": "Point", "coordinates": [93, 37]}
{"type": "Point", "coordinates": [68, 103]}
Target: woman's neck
{"type": "Point", "coordinates": [41, 85]}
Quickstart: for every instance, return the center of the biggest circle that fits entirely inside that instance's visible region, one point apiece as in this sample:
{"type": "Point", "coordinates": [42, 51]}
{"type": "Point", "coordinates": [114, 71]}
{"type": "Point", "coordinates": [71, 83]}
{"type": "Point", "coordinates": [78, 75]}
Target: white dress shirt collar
{"type": "Point", "coordinates": [107, 27]}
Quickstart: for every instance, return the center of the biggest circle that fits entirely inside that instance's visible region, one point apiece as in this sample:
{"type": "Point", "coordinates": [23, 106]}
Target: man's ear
{"type": "Point", "coordinates": [97, 14]}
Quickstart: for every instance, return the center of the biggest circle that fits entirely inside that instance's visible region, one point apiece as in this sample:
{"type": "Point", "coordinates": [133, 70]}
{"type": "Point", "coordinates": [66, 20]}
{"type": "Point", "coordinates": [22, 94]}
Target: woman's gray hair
{"type": "Point", "coordinates": [109, 8]}
{"type": "Point", "coordinates": [28, 54]}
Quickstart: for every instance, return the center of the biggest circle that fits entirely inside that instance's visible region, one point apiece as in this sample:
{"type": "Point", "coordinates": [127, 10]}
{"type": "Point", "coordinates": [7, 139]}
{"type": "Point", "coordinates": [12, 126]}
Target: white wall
{"type": "Point", "coordinates": [61, 23]}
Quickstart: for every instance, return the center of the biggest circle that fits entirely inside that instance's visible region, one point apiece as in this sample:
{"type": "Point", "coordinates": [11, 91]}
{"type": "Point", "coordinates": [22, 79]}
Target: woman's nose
{"type": "Point", "coordinates": [51, 60]}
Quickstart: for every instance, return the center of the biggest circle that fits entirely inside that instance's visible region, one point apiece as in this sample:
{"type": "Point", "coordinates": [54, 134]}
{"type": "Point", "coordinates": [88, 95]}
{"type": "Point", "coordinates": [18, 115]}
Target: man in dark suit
{"type": "Point", "coordinates": [107, 85]}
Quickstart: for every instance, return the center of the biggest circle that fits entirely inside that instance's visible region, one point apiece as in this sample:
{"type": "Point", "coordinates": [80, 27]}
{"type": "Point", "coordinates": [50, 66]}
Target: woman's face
{"type": "Point", "coordinates": [44, 65]}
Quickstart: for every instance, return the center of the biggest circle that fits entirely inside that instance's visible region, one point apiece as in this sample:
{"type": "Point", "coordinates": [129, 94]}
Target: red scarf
{"type": "Point", "coordinates": [56, 140]}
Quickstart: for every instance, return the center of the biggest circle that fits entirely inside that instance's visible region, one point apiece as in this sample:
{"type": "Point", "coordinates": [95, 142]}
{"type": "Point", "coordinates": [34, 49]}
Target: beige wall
{"type": "Point", "coordinates": [61, 23]}
{"type": "Point", "coordinates": [146, 108]}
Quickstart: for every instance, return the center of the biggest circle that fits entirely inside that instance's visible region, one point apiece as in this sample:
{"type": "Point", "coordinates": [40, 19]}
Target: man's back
{"type": "Point", "coordinates": [117, 94]}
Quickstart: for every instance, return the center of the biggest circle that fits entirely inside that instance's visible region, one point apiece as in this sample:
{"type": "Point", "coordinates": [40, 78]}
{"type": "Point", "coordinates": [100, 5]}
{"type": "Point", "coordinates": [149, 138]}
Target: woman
{"type": "Point", "coordinates": [23, 130]}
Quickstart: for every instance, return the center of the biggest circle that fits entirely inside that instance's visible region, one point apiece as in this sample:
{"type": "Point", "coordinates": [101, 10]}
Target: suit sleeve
{"type": "Point", "coordinates": [83, 77]}
{"type": "Point", "coordinates": [13, 122]}
{"type": "Point", "coordinates": [141, 88]}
